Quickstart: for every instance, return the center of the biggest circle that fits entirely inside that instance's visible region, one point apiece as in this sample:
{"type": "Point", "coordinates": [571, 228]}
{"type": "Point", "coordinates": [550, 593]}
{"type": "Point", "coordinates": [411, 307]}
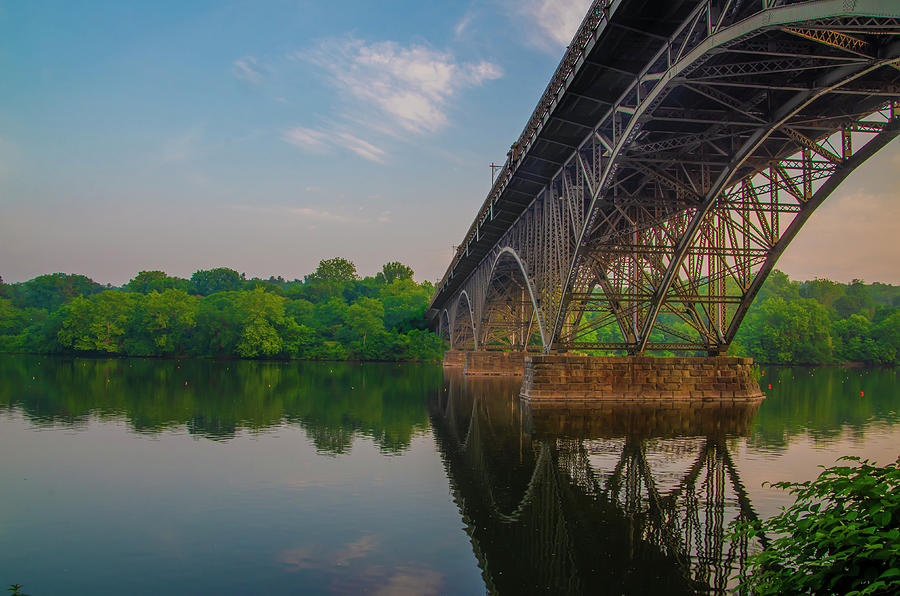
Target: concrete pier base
{"type": "Point", "coordinates": [484, 363]}
{"type": "Point", "coordinates": [570, 379]}
{"type": "Point", "coordinates": [454, 359]}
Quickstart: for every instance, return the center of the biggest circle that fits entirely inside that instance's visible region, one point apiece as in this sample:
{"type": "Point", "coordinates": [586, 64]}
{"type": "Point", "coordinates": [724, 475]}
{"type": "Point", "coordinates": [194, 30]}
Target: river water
{"type": "Point", "coordinates": [208, 477]}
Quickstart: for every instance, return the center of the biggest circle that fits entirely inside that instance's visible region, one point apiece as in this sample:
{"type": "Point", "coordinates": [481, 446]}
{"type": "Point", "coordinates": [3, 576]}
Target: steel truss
{"type": "Point", "coordinates": [660, 228]}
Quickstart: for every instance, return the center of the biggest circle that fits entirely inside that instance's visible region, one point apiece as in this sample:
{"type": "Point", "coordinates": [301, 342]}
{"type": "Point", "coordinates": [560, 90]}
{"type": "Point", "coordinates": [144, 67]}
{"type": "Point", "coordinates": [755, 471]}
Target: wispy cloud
{"type": "Point", "coordinates": [321, 140]}
{"type": "Point", "coordinates": [307, 138]}
{"type": "Point", "coordinates": [387, 88]}
{"type": "Point", "coordinates": [555, 21]}
{"type": "Point", "coordinates": [463, 24]}
{"type": "Point", "coordinates": [357, 145]}
{"type": "Point", "coordinates": [248, 69]}
{"type": "Point", "coordinates": [315, 214]}
{"type": "Point", "coordinates": [409, 85]}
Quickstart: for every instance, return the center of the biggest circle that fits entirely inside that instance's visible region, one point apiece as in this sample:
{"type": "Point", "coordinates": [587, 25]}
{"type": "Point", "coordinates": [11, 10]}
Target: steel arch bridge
{"type": "Point", "coordinates": [679, 148]}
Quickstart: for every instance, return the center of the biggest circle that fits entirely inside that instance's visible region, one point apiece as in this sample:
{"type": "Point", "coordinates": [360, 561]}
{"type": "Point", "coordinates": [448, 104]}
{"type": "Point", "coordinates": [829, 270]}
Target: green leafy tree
{"type": "Point", "coordinates": [362, 319]}
{"type": "Point", "coordinates": [218, 327]}
{"type": "Point", "coordinates": [404, 305]}
{"type": "Point", "coordinates": [328, 316]}
{"type": "Point", "coordinates": [422, 345]}
{"type": "Point", "coordinates": [53, 290]}
{"type": "Point", "coordinates": [265, 285]}
{"type": "Point", "coordinates": [795, 331]}
{"type": "Point", "coordinates": [301, 310]}
{"type": "Point", "coordinates": [854, 342]}
{"type": "Point", "coordinates": [823, 291]}
{"type": "Point", "coordinates": [334, 271]}
{"type": "Point", "coordinates": [335, 277]}
{"type": "Point", "coordinates": [841, 536]}
{"type": "Point", "coordinates": [887, 335]}
{"type": "Point", "coordinates": [155, 281]}
{"type": "Point", "coordinates": [855, 301]}
{"type": "Point", "coordinates": [12, 320]}
{"type": "Point", "coordinates": [367, 286]}
{"type": "Point", "coordinates": [394, 271]}
{"type": "Point", "coordinates": [98, 323]}
{"type": "Point", "coordinates": [778, 285]}
{"type": "Point", "coordinates": [210, 281]}
{"type": "Point", "coordinates": [260, 313]}
{"type": "Point", "coordinates": [162, 324]}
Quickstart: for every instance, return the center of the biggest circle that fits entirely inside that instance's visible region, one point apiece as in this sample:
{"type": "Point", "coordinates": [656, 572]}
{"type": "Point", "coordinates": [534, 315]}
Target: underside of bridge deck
{"type": "Point", "coordinates": [678, 150]}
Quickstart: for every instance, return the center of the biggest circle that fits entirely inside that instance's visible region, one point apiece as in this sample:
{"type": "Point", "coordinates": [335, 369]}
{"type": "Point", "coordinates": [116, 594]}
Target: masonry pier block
{"type": "Point", "coordinates": [571, 379]}
{"type": "Point", "coordinates": [484, 363]}
{"type": "Point", "coordinates": [454, 358]}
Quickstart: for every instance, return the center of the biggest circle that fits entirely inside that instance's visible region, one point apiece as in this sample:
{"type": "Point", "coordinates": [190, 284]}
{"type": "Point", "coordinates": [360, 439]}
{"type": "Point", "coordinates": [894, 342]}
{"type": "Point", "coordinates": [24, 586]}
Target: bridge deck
{"type": "Point", "coordinates": [677, 151]}
{"type": "Point", "coordinates": [612, 45]}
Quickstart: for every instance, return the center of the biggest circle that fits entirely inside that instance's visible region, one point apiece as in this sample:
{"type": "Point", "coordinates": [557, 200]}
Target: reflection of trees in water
{"type": "Point", "coordinates": [333, 401]}
{"type": "Point", "coordinates": [823, 401]}
{"type": "Point", "coordinates": [549, 510]}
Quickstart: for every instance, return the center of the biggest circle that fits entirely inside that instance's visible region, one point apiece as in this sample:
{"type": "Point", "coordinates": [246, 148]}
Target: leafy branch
{"type": "Point", "coordinates": [841, 535]}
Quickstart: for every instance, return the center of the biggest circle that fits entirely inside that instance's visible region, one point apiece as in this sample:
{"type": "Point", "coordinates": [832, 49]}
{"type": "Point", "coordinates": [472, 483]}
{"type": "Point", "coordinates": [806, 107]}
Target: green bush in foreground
{"type": "Point", "coordinates": [841, 535]}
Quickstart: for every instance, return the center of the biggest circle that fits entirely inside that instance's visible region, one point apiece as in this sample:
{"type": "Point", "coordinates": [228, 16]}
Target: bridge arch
{"type": "Point", "coordinates": [889, 133]}
{"type": "Point", "coordinates": [444, 330]}
{"type": "Point", "coordinates": [661, 283]}
{"type": "Point", "coordinates": [661, 195]}
{"type": "Point", "coordinates": [510, 309]}
{"type": "Point", "coordinates": [463, 331]}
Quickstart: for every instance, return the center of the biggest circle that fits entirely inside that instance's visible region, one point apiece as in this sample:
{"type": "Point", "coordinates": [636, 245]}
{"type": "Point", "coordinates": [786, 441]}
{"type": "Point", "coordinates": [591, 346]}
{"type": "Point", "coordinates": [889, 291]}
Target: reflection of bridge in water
{"type": "Point", "coordinates": [632, 501]}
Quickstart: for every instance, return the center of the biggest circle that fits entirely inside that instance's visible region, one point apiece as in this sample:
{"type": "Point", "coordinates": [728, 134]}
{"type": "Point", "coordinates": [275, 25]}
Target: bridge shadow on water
{"type": "Point", "coordinates": [625, 499]}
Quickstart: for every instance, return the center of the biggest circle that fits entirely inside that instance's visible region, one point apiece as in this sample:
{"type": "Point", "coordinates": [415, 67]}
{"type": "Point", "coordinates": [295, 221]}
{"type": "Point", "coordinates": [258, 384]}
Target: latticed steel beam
{"type": "Point", "coordinates": [664, 221]}
{"type": "Point", "coordinates": [836, 39]}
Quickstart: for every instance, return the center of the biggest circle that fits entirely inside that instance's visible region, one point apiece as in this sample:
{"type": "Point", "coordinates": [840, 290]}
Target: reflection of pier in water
{"type": "Point", "coordinates": [629, 500]}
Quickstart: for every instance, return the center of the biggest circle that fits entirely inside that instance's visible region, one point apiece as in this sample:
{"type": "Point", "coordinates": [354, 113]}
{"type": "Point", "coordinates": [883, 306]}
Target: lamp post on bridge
{"type": "Point", "coordinates": [494, 168]}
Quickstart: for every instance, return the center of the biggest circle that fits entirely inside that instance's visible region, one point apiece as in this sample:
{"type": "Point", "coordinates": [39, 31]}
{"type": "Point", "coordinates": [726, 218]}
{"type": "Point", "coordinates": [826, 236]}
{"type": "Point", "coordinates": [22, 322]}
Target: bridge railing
{"type": "Point", "coordinates": [595, 17]}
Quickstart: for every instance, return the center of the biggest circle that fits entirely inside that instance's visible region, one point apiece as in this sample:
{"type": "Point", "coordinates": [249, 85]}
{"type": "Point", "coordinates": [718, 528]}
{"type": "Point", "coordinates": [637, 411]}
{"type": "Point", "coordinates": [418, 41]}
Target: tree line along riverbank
{"type": "Point", "coordinates": [821, 322]}
{"type": "Point", "coordinates": [334, 314]}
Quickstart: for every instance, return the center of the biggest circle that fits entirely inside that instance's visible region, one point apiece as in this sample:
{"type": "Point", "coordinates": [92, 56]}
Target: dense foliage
{"type": "Point", "coordinates": [841, 536]}
{"type": "Point", "coordinates": [334, 314]}
{"type": "Point", "coordinates": [790, 322]}
{"type": "Point", "coordinates": [822, 321]}
{"type": "Point", "coordinates": [331, 314]}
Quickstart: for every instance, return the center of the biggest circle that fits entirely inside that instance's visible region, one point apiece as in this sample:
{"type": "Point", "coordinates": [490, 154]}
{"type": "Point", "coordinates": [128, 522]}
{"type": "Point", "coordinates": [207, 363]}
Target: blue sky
{"type": "Point", "coordinates": [266, 136]}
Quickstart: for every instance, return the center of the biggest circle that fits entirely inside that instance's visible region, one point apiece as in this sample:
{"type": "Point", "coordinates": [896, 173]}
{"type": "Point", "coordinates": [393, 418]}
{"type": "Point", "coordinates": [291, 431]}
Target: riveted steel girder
{"type": "Point", "coordinates": [657, 231]}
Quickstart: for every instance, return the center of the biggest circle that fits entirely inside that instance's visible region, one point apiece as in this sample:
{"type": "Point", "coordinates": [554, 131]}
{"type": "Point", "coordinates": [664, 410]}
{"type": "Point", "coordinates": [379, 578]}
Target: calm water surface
{"type": "Point", "coordinates": [199, 477]}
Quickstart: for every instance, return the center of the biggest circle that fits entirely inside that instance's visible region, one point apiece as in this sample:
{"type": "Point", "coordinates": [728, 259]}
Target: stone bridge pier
{"type": "Point", "coordinates": [571, 379]}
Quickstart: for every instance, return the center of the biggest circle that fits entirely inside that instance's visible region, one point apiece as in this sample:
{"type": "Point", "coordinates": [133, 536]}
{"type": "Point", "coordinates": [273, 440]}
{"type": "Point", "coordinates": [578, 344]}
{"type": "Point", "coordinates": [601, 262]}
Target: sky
{"type": "Point", "coordinates": [268, 135]}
